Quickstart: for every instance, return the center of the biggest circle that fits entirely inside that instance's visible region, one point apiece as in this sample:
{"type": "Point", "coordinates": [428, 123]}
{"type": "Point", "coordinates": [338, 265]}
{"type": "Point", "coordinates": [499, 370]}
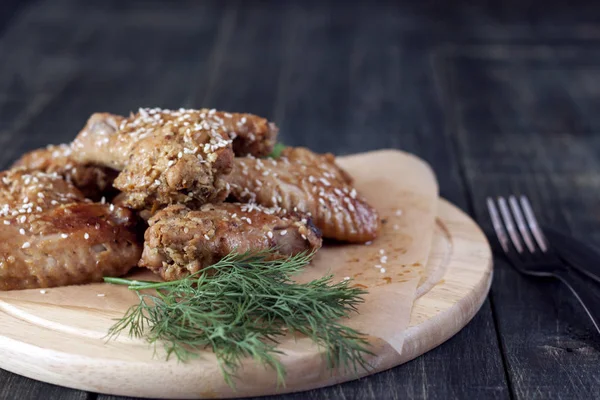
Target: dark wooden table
{"type": "Point", "coordinates": [499, 98]}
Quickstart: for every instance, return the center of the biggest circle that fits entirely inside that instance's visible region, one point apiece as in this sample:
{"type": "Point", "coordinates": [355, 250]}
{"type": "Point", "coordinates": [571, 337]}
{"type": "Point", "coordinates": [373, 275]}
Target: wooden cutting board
{"type": "Point", "coordinates": [57, 337]}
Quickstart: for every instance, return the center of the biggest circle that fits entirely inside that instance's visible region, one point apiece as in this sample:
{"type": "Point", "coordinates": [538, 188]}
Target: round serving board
{"type": "Point", "coordinates": [61, 341]}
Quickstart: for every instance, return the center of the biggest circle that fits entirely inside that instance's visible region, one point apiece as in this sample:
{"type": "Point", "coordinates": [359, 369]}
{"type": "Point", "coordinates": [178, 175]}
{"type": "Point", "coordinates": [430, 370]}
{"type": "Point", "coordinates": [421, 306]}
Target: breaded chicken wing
{"type": "Point", "coordinates": [165, 156]}
{"type": "Point", "coordinates": [301, 180]}
{"type": "Point", "coordinates": [50, 235]}
{"type": "Point", "coordinates": [93, 181]}
{"type": "Point", "coordinates": [180, 241]}
{"type": "Point", "coordinates": [251, 135]}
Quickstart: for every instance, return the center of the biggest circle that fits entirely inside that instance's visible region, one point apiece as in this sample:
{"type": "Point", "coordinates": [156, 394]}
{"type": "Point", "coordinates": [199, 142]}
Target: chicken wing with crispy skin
{"type": "Point", "coordinates": [181, 241]}
{"type": "Point", "coordinates": [108, 139]}
{"type": "Point", "coordinates": [50, 235]}
{"type": "Point", "coordinates": [251, 135]}
{"type": "Point", "coordinates": [93, 181]}
{"type": "Point", "coordinates": [165, 156]}
{"type": "Point", "coordinates": [301, 180]}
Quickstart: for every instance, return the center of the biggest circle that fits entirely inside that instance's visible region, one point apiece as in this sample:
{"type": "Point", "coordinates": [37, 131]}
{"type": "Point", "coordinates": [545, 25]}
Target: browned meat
{"type": "Point", "coordinates": [180, 241]}
{"type": "Point", "coordinates": [50, 235]}
{"type": "Point", "coordinates": [307, 182]}
{"type": "Point", "coordinates": [165, 156]}
{"type": "Point", "coordinates": [252, 135]}
{"type": "Point", "coordinates": [99, 142]}
{"type": "Point", "coordinates": [93, 181]}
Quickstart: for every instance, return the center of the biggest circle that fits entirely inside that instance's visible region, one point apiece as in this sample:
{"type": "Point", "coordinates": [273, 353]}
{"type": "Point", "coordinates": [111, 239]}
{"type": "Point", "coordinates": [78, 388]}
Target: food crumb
{"type": "Point", "coordinates": [346, 278]}
{"type": "Point", "coordinates": [42, 291]}
{"type": "Point", "coordinates": [398, 212]}
{"type": "Point", "coordinates": [382, 270]}
{"type": "Point", "coordinates": [381, 251]}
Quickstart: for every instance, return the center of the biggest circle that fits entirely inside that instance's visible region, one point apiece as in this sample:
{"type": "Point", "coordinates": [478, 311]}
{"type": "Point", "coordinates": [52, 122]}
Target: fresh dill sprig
{"type": "Point", "coordinates": [240, 307]}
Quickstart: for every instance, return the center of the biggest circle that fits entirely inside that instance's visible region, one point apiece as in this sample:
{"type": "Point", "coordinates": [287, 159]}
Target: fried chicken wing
{"type": "Point", "coordinates": [251, 135]}
{"type": "Point", "coordinates": [50, 235]}
{"type": "Point", "coordinates": [165, 157]}
{"type": "Point", "coordinates": [181, 241]}
{"type": "Point", "coordinates": [93, 181]}
{"type": "Point", "coordinates": [301, 180]}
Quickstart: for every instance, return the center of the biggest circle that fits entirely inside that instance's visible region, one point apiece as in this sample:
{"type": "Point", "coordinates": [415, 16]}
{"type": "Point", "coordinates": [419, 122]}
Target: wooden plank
{"type": "Point", "coordinates": [524, 123]}
{"type": "Point", "coordinates": [71, 66]}
{"type": "Point", "coordinates": [342, 75]}
{"type": "Point", "coordinates": [347, 84]}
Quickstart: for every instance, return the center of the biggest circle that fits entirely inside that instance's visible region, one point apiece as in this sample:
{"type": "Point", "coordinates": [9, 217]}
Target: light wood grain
{"type": "Point", "coordinates": [57, 337]}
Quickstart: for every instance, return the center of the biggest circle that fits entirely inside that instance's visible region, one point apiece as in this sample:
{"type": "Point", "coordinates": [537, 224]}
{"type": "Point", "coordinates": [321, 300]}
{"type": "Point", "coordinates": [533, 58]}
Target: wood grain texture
{"type": "Point", "coordinates": [347, 79]}
{"type": "Point", "coordinates": [533, 134]}
{"type": "Point", "coordinates": [460, 249]}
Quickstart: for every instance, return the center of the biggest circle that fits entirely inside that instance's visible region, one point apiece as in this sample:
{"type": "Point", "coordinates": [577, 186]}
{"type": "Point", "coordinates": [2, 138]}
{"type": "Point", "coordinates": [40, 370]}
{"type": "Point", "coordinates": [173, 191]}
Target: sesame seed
{"type": "Point", "coordinates": [22, 219]}
{"type": "Point", "coordinates": [381, 251]}
{"type": "Point", "coordinates": [382, 270]}
{"type": "Point", "coordinates": [111, 207]}
{"type": "Point", "coordinates": [346, 278]}
{"type": "Point", "coordinates": [86, 236]}
{"type": "Point", "coordinates": [26, 245]}
{"type": "Point", "coordinates": [6, 222]}
{"type": "Point", "coordinates": [64, 235]}
{"type": "Point", "coordinates": [353, 193]}
{"type": "Point", "coordinates": [206, 237]}
{"type": "Point", "coordinates": [283, 232]}
{"type": "Point", "coordinates": [100, 295]}
{"type": "Point", "coordinates": [42, 291]}
{"type": "Point", "coordinates": [103, 200]}
{"type": "Point", "coordinates": [170, 163]}
{"type": "Point", "coordinates": [270, 235]}
{"type": "Point", "coordinates": [179, 155]}
{"type": "Point", "coordinates": [40, 195]}
{"type": "Point", "coordinates": [398, 213]}
{"type": "Point", "coordinates": [22, 231]}
{"type": "Point", "coordinates": [383, 260]}
{"type": "Point", "coordinates": [368, 243]}
{"type": "Point", "coordinates": [377, 266]}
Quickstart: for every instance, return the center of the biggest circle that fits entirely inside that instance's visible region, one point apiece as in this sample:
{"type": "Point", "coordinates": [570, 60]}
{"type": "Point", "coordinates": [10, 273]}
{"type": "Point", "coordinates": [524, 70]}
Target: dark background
{"type": "Point", "coordinates": [499, 97]}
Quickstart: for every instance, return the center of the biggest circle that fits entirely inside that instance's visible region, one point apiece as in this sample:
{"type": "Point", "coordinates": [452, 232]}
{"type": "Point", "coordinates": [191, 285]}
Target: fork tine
{"type": "Point", "coordinates": [498, 228]}
{"type": "Point", "coordinates": [533, 224]}
{"type": "Point", "coordinates": [510, 226]}
{"type": "Point", "coordinates": [516, 211]}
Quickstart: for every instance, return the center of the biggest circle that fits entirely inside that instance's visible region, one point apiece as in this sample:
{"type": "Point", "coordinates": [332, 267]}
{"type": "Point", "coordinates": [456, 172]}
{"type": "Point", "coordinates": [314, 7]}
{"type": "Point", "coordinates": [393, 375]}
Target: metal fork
{"type": "Point", "coordinates": [528, 250]}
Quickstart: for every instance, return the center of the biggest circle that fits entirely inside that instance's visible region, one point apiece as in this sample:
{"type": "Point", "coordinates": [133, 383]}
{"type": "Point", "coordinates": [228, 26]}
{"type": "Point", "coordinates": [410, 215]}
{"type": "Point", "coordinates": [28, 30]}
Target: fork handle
{"type": "Point", "coordinates": [586, 291]}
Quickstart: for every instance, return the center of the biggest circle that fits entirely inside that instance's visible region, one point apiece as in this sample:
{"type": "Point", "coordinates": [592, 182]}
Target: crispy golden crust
{"type": "Point", "coordinates": [180, 241]}
{"type": "Point", "coordinates": [50, 235]}
{"type": "Point", "coordinates": [93, 181]}
{"type": "Point", "coordinates": [304, 181]}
